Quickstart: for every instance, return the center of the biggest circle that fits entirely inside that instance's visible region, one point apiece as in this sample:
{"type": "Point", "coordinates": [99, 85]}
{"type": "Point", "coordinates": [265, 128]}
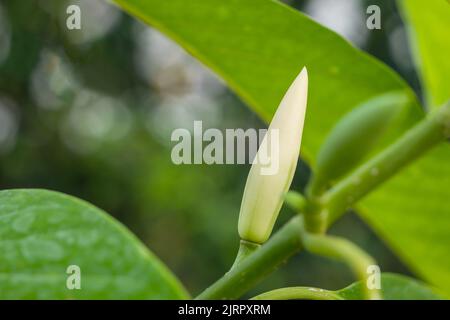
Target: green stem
{"type": "Point", "coordinates": [287, 241]}
{"type": "Point", "coordinates": [345, 251]}
{"type": "Point", "coordinates": [245, 249]}
{"type": "Point", "coordinates": [260, 263]}
{"type": "Point", "coordinates": [415, 142]}
{"type": "Point", "coordinates": [298, 293]}
{"type": "Point", "coordinates": [296, 201]}
{"type": "Point", "coordinates": [316, 217]}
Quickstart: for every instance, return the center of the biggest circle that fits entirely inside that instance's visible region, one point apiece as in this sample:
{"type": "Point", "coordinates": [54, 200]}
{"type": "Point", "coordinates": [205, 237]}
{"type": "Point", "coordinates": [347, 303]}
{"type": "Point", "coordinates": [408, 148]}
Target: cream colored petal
{"type": "Point", "coordinates": [265, 187]}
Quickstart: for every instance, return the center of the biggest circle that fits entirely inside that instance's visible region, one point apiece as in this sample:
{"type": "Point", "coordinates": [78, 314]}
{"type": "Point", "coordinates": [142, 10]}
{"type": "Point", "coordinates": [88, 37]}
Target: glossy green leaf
{"type": "Point", "coordinates": [259, 52]}
{"type": "Point", "coordinates": [429, 26]}
{"type": "Point", "coordinates": [393, 287]}
{"type": "Point", "coordinates": [42, 233]}
{"type": "Point", "coordinates": [259, 46]}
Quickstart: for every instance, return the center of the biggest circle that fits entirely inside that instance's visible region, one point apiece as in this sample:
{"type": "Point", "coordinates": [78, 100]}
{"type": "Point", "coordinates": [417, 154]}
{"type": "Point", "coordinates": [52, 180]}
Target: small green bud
{"type": "Point", "coordinates": [264, 193]}
{"type": "Point", "coordinates": [351, 140]}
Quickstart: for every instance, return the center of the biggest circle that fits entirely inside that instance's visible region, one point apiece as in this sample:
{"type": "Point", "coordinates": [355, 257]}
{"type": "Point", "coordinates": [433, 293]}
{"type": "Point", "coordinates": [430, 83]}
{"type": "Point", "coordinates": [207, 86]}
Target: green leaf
{"type": "Point", "coordinates": [259, 47]}
{"type": "Point", "coordinates": [42, 233]}
{"type": "Point", "coordinates": [411, 211]}
{"type": "Point", "coordinates": [393, 287]}
{"type": "Point", "coordinates": [429, 25]}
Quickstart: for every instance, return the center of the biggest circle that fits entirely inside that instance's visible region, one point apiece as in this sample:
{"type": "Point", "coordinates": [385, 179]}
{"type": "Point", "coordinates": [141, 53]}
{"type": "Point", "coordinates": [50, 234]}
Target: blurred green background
{"type": "Point", "coordinates": [90, 112]}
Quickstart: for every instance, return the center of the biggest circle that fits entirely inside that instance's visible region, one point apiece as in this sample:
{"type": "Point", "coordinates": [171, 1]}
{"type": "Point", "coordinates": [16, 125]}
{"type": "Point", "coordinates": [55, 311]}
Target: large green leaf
{"type": "Point", "coordinates": [393, 287]}
{"type": "Point", "coordinates": [42, 233]}
{"type": "Point", "coordinates": [412, 212]}
{"type": "Point", "coordinates": [429, 27]}
{"type": "Point", "coordinates": [258, 46]}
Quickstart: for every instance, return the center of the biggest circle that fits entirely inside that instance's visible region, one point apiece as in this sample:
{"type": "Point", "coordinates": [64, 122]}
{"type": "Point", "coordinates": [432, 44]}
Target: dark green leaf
{"type": "Point", "coordinates": [42, 233]}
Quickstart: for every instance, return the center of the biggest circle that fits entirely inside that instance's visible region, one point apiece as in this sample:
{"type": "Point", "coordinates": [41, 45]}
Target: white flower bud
{"type": "Point", "coordinates": [264, 192]}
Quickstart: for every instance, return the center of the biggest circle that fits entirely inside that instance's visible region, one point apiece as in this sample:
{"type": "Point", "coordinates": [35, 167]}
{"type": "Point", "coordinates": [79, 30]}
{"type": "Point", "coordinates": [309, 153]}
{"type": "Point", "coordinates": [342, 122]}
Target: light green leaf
{"type": "Point", "coordinates": [393, 287]}
{"type": "Point", "coordinates": [42, 233]}
{"type": "Point", "coordinates": [429, 27]}
{"type": "Point", "coordinates": [259, 46]}
{"type": "Point", "coordinates": [412, 212]}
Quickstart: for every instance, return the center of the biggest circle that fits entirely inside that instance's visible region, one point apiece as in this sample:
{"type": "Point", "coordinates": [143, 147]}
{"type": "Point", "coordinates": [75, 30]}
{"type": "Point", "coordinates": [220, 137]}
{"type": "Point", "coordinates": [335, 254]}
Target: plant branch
{"type": "Point", "coordinates": [414, 143]}
{"type": "Point", "coordinates": [260, 263]}
{"type": "Point", "coordinates": [287, 241]}
{"type": "Point", "coordinates": [298, 293]}
{"type": "Point", "coordinates": [345, 251]}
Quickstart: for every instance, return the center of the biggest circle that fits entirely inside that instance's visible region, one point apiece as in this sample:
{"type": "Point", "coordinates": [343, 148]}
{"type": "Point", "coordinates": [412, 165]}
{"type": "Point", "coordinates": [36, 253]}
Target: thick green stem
{"type": "Point", "coordinates": [346, 252]}
{"type": "Point", "coordinates": [316, 217]}
{"type": "Point", "coordinates": [287, 241]}
{"type": "Point", "coordinates": [415, 142]}
{"type": "Point", "coordinates": [260, 263]}
{"type": "Point", "coordinates": [298, 293]}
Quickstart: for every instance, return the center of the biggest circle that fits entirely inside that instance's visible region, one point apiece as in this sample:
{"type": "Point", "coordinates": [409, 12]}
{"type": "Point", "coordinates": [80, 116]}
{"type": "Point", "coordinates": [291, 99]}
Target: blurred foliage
{"type": "Point", "coordinates": [90, 112]}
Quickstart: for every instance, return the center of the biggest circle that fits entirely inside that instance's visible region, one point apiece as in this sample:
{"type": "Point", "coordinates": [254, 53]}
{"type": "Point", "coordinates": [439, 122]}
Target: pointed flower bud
{"type": "Point", "coordinates": [265, 189]}
{"type": "Point", "coordinates": [355, 136]}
